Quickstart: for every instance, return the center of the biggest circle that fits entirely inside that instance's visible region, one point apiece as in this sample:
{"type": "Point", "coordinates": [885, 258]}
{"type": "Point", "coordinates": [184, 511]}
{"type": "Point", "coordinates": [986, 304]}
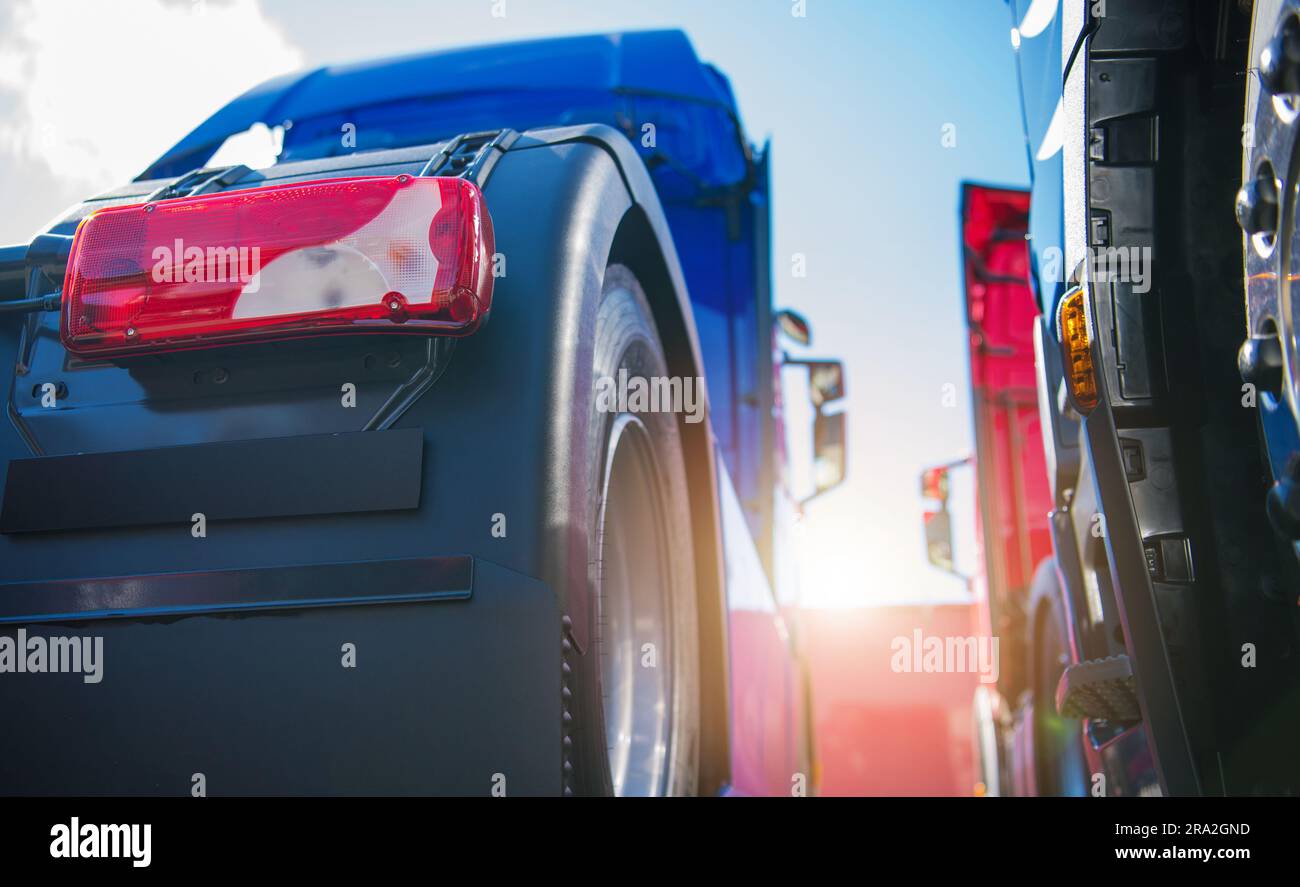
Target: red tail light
{"type": "Point", "coordinates": [380, 255]}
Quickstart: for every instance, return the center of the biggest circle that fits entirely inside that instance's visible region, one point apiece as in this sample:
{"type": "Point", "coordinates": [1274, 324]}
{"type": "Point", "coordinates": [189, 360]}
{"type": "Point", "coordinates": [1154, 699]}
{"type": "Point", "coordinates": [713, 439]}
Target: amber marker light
{"type": "Point", "coordinates": [1075, 335]}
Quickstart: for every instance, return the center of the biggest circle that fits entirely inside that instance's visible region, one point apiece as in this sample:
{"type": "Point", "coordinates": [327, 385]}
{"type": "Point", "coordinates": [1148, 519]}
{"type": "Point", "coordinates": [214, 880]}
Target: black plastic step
{"type": "Point", "coordinates": [1101, 689]}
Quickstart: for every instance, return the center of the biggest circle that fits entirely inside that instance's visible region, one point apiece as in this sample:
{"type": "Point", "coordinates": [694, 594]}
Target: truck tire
{"type": "Point", "coordinates": [1060, 767]}
{"type": "Point", "coordinates": [636, 703]}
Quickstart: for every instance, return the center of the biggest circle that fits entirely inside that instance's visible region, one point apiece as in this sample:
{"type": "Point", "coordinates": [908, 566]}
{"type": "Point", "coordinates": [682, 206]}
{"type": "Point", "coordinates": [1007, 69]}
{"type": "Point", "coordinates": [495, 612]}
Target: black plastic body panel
{"type": "Point", "coordinates": [1132, 144]}
{"type": "Point", "coordinates": [271, 477]}
{"type": "Point", "coordinates": [1140, 611]}
{"type": "Point", "coordinates": [1122, 226]}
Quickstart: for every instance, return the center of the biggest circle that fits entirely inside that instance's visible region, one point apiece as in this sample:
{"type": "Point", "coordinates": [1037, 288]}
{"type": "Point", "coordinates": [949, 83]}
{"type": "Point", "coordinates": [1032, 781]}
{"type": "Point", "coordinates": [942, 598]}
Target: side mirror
{"type": "Point", "coordinates": [934, 484]}
{"type": "Point", "coordinates": [938, 539]}
{"type": "Point", "coordinates": [935, 487]}
{"type": "Point", "coordinates": [794, 326]}
{"type": "Point", "coordinates": [825, 381]}
{"type": "Point", "coordinates": [828, 452]}
{"type": "Point", "coordinates": [825, 386]}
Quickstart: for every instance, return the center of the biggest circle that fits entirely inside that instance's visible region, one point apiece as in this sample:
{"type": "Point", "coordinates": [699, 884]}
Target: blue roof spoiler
{"type": "Point", "coordinates": [658, 62]}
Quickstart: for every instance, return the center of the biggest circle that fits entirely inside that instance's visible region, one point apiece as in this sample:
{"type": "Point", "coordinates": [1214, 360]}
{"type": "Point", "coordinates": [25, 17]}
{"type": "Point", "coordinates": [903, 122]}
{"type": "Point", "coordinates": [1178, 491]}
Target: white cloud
{"type": "Point", "coordinates": [101, 89]}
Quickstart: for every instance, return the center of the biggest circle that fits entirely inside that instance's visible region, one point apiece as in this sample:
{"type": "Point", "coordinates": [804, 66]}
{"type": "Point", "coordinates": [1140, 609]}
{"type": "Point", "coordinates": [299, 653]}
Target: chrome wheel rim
{"type": "Point", "coordinates": [633, 613]}
{"type": "Point", "coordinates": [1272, 258]}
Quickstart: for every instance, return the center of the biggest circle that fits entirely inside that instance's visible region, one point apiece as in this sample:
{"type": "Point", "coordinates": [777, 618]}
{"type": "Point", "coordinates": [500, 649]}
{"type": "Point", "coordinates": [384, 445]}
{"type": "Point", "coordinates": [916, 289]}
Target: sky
{"type": "Point", "coordinates": [877, 111]}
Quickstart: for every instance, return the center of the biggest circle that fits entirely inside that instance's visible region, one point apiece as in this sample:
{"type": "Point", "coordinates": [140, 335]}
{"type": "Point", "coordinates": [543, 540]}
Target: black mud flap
{"type": "Point", "coordinates": [359, 687]}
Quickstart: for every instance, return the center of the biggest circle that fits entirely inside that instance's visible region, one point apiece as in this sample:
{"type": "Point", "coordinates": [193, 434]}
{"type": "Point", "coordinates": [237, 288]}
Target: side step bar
{"type": "Point", "coordinates": [1100, 689]}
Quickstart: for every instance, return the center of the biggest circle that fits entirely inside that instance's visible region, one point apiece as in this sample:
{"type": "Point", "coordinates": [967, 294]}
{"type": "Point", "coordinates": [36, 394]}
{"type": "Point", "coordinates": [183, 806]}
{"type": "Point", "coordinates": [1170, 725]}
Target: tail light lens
{"type": "Point", "coordinates": [395, 254]}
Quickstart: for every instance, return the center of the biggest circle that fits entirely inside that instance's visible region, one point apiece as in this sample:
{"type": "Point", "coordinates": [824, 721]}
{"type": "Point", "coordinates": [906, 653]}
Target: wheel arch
{"type": "Point", "coordinates": [638, 246]}
{"type": "Point", "coordinates": [604, 210]}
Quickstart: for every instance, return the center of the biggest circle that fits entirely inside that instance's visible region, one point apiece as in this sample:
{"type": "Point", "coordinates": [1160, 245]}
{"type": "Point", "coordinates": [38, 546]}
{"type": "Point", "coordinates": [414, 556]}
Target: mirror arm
{"type": "Point", "coordinates": [806, 499]}
{"type": "Point", "coordinates": [967, 578]}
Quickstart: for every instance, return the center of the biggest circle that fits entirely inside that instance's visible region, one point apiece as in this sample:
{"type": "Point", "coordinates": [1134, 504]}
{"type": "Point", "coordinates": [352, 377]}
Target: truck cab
{"type": "Point", "coordinates": [1159, 342]}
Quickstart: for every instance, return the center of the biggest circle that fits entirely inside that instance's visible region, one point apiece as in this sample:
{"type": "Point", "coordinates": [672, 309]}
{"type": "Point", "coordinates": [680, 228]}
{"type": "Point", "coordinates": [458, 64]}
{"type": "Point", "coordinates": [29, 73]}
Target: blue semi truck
{"type": "Point", "coordinates": [1161, 634]}
{"type": "Point", "coordinates": [310, 456]}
